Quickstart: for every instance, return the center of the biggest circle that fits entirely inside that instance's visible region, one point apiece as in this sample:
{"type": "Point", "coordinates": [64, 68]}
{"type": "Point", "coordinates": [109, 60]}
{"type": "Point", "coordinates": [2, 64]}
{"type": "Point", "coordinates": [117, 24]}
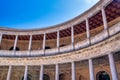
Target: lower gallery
{"type": "Point", "coordinates": [101, 67]}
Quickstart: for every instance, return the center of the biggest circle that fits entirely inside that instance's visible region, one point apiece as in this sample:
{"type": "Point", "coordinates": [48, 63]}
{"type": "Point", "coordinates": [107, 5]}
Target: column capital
{"type": "Point", "coordinates": [103, 7]}
{"type": "Point", "coordinates": [57, 64]}
{"type": "Point", "coordinates": [45, 33]}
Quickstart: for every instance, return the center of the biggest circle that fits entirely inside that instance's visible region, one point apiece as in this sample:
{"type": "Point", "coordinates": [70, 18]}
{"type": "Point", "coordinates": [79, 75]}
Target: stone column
{"type": "Point", "coordinates": [113, 67]}
{"type": "Point", "coordinates": [72, 36]}
{"type": "Point", "coordinates": [26, 72]}
{"type": "Point", "coordinates": [58, 40]}
{"type": "Point", "coordinates": [73, 71]}
{"type": "Point", "coordinates": [91, 70]}
{"type": "Point", "coordinates": [1, 37]}
{"type": "Point", "coordinates": [41, 72]}
{"type": "Point", "coordinates": [87, 30]}
{"type": "Point", "coordinates": [105, 21]}
{"type": "Point", "coordinates": [57, 72]}
{"type": "Point", "coordinates": [30, 43]}
{"type": "Point", "coordinates": [44, 42]}
{"type": "Point", "coordinates": [9, 72]}
{"type": "Point", "coordinates": [15, 44]}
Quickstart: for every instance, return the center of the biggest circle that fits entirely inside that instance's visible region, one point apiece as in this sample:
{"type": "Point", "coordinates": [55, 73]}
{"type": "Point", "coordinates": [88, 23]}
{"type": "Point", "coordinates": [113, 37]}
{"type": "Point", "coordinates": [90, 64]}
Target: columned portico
{"type": "Point", "coordinates": [41, 72]}
{"type": "Point", "coordinates": [113, 67]}
{"type": "Point", "coordinates": [9, 72]}
{"type": "Point", "coordinates": [25, 72]}
{"type": "Point", "coordinates": [57, 72]}
{"type": "Point", "coordinates": [84, 38]}
{"type": "Point", "coordinates": [73, 71]}
{"type": "Point", "coordinates": [91, 69]}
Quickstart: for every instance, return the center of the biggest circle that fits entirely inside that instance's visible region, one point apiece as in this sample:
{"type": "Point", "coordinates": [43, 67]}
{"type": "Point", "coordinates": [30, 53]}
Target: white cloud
{"type": "Point", "coordinates": [91, 1]}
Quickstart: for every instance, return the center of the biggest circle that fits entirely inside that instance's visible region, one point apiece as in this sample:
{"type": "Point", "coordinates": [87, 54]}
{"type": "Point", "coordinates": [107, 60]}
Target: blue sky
{"type": "Point", "coordinates": [29, 14]}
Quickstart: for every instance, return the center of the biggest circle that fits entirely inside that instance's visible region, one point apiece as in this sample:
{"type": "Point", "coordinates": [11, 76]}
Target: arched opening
{"type": "Point", "coordinates": [61, 77]}
{"type": "Point", "coordinates": [46, 77]}
{"type": "Point", "coordinates": [102, 75]}
{"type": "Point", "coordinates": [17, 49]}
{"type": "Point", "coordinates": [28, 77]}
{"type": "Point", "coordinates": [80, 77]}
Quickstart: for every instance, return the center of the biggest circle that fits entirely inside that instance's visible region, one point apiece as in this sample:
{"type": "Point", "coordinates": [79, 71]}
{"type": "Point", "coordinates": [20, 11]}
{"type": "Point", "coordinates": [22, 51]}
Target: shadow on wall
{"type": "Point", "coordinates": [17, 49]}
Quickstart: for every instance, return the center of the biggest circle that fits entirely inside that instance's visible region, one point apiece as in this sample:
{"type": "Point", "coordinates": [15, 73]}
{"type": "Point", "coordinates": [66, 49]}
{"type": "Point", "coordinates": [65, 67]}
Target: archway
{"type": "Point", "coordinates": [46, 77]}
{"type": "Point", "coordinates": [28, 77]}
{"type": "Point", "coordinates": [102, 75]}
{"type": "Point", "coordinates": [80, 77]}
{"type": "Point", "coordinates": [62, 77]}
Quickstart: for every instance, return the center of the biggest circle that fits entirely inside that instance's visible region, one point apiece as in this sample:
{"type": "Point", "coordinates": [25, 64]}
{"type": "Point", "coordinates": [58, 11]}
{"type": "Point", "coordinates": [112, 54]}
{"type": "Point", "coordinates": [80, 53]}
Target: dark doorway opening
{"type": "Point", "coordinates": [102, 75]}
{"type": "Point", "coordinates": [46, 77]}
{"type": "Point", "coordinates": [61, 77]}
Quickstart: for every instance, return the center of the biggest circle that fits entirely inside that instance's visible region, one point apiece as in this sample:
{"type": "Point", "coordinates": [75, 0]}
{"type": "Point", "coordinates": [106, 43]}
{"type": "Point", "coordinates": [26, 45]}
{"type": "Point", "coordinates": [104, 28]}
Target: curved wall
{"type": "Point", "coordinates": [87, 44]}
{"type": "Point", "coordinates": [66, 38]}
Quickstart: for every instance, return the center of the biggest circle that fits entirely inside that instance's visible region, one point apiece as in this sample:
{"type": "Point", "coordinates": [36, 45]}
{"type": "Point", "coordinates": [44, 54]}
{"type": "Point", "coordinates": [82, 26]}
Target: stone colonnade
{"type": "Point", "coordinates": [73, 71]}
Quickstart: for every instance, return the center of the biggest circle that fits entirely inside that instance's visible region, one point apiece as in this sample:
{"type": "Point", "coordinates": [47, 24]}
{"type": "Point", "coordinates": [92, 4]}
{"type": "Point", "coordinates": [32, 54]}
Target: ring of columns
{"type": "Point", "coordinates": [91, 34]}
{"type": "Point", "coordinates": [105, 42]}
